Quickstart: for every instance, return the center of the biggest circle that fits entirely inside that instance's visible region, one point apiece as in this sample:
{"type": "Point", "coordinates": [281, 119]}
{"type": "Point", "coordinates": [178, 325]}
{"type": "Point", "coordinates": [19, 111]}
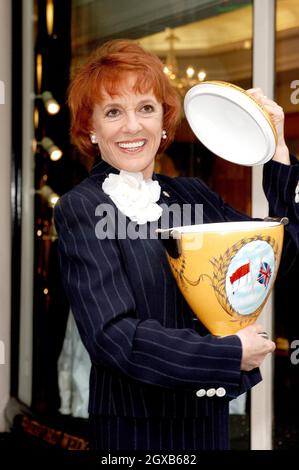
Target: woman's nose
{"type": "Point", "coordinates": [132, 123]}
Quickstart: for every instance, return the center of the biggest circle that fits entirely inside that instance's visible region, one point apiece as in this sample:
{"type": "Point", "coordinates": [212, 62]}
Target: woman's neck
{"type": "Point", "coordinates": [147, 172]}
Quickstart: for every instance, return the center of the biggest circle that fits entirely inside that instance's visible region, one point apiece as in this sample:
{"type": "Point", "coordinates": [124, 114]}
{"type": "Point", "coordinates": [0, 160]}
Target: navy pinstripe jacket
{"type": "Point", "coordinates": [149, 354]}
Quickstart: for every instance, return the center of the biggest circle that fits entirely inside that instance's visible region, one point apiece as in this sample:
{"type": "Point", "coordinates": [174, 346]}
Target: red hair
{"type": "Point", "coordinates": [105, 70]}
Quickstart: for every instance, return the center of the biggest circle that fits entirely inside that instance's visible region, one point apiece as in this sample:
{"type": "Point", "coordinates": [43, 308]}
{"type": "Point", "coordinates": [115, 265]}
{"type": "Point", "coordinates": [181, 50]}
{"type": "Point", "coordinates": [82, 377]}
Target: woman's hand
{"type": "Point", "coordinates": [255, 347]}
{"type": "Point", "coordinates": [277, 116]}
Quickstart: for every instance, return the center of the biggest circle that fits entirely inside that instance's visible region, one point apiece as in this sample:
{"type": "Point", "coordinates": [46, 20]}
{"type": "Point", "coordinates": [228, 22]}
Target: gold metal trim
{"type": "Point", "coordinates": [238, 88]}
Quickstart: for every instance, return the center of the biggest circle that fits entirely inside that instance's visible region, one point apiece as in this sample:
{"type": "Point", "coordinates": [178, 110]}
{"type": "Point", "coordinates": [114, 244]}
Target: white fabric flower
{"type": "Point", "coordinates": [134, 196]}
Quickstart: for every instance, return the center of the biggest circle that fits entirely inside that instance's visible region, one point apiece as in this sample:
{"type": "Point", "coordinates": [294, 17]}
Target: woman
{"type": "Point", "coordinates": [159, 381]}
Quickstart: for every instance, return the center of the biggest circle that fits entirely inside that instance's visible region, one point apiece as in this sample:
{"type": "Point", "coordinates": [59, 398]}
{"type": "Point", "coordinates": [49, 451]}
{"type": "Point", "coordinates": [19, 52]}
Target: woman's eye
{"type": "Point", "coordinates": [113, 113]}
{"type": "Point", "coordinates": [148, 108]}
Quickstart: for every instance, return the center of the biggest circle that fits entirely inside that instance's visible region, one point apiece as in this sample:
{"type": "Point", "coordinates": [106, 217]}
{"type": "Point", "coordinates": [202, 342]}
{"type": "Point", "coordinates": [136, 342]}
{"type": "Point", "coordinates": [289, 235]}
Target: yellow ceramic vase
{"type": "Point", "coordinates": [226, 271]}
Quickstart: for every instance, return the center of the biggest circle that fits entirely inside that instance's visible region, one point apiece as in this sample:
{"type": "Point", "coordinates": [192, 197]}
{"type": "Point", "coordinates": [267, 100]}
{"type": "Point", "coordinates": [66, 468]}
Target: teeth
{"type": "Point", "coordinates": [131, 145]}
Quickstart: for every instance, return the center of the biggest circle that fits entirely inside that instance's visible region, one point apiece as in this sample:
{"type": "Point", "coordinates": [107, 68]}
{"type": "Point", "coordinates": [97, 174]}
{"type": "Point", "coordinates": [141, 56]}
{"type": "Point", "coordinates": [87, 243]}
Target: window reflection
{"type": "Point", "coordinates": [214, 39]}
{"type": "Point", "coordinates": [212, 42]}
{"type": "Point", "coordinates": [286, 379]}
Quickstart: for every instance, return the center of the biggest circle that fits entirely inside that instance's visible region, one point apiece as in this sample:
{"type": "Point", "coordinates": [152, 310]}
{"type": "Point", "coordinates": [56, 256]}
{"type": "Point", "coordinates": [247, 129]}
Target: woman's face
{"type": "Point", "coordinates": [128, 128]}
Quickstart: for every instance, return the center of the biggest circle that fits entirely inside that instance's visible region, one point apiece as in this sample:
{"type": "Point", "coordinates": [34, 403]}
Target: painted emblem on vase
{"type": "Point", "coordinates": [249, 276]}
{"type": "Point", "coordinates": [242, 276]}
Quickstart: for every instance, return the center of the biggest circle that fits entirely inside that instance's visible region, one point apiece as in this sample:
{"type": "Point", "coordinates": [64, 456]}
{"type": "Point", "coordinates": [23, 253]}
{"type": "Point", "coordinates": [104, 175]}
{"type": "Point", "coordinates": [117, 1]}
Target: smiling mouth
{"type": "Point", "coordinates": [132, 146]}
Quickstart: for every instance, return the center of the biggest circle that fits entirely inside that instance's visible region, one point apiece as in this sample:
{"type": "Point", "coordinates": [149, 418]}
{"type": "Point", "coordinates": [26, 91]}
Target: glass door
{"type": "Point", "coordinates": [202, 40]}
{"type": "Point", "coordinates": [286, 378]}
{"type": "Point", "coordinates": [196, 41]}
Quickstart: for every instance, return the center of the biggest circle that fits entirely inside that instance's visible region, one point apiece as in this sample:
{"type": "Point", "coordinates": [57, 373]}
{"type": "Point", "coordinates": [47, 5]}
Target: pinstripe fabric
{"type": "Point", "coordinates": [279, 185]}
{"type": "Point", "coordinates": [156, 434]}
{"type": "Point", "coordinates": [149, 354]}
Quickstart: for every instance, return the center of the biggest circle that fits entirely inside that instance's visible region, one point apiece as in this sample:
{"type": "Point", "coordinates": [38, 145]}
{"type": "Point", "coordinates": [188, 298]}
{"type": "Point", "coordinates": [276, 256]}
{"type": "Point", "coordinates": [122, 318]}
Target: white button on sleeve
{"type": "Point", "coordinates": [220, 392]}
{"type": "Point", "coordinates": [211, 392]}
{"type": "Point", "coordinates": [200, 393]}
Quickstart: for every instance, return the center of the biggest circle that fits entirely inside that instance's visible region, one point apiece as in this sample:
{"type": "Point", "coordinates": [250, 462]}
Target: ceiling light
{"type": "Point", "coordinates": [50, 16]}
{"type": "Point", "coordinates": [48, 195]}
{"type": "Point", "coordinates": [181, 82]}
{"type": "Point", "coordinates": [39, 71]}
{"type": "Point", "coordinates": [51, 105]}
{"type": "Point", "coordinates": [52, 149]}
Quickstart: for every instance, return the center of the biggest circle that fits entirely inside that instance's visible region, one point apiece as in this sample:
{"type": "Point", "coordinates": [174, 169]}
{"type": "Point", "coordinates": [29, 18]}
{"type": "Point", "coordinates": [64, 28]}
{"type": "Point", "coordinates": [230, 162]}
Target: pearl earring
{"type": "Point", "coordinates": [164, 134]}
{"type": "Point", "coordinates": [93, 139]}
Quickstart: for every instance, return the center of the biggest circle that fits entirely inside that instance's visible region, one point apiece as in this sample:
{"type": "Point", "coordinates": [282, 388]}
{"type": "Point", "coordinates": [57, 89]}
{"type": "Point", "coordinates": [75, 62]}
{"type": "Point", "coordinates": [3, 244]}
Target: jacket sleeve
{"type": "Point", "coordinates": [280, 182]}
{"type": "Point", "coordinates": [103, 304]}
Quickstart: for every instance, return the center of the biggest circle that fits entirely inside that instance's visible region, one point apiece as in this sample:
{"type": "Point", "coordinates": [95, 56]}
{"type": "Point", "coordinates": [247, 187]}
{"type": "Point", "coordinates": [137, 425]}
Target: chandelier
{"type": "Point", "coordinates": [181, 82]}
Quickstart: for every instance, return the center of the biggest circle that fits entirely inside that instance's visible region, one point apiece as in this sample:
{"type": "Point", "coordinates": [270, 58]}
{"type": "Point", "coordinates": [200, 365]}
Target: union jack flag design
{"type": "Point", "coordinates": [264, 274]}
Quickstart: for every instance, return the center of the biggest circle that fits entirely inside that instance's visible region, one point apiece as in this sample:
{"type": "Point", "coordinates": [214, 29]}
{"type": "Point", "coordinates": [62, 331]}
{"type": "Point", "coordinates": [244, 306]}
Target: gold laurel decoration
{"type": "Point", "coordinates": [218, 279]}
{"type": "Point", "coordinates": [178, 266]}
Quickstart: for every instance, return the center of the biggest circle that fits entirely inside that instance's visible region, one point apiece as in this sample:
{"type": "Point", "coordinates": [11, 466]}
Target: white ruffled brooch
{"type": "Point", "coordinates": [134, 196]}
